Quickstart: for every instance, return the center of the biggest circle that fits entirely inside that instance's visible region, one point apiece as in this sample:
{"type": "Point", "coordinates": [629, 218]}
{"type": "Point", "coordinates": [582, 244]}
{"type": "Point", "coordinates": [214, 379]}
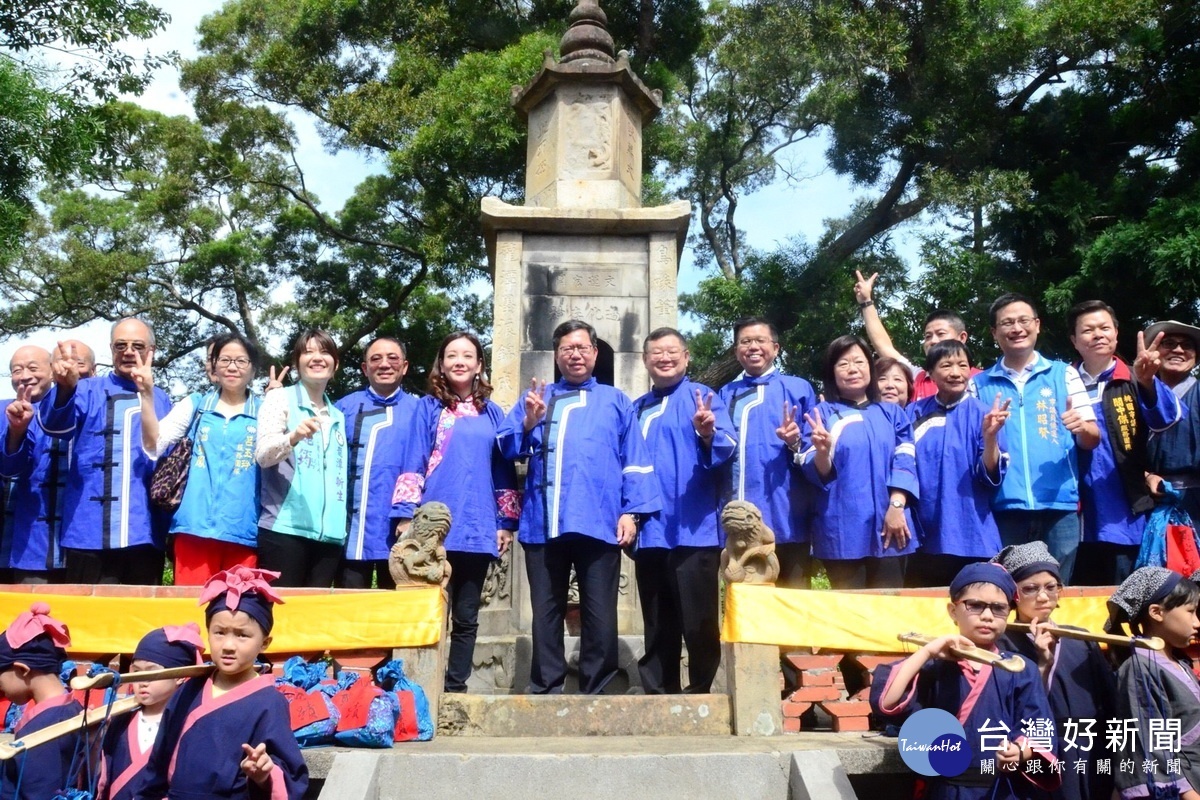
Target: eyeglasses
{"type": "Point", "coordinates": [672, 352]}
{"type": "Point", "coordinates": [1033, 590]}
{"type": "Point", "coordinates": [391, 358]}
{"type": "Point", "coordinates": [760, 341]}
{"type": "Point", "coordinates": [1009, 324]}
{"type": "Point", "coordinates": [240, 363]}
{"type": "Point", "coordinates": [121, 347]}
{"type": "Point", "coordinates": [976, 608]}
{"type": "Point", "coordinates": [1167, 345]}
{"type": "Point", "coordinates": [568, 349]}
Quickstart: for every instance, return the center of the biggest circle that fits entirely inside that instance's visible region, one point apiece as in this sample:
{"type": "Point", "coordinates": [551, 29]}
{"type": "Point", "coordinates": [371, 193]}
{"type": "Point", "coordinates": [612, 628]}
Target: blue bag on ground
{"type": "Point", "coordinates": [415, 721]}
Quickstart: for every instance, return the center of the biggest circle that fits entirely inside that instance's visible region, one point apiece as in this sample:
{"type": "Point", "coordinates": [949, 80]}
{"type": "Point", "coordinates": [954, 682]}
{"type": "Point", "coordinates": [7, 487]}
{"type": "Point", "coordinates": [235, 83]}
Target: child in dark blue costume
{"type": "Point", "coordinates": [229, 736]}
{"type": "Point", "coordinates": [980, 696]}
{"type": "Point", "coordinates": [31, 657]}
{"type": "Point", "coordinates": [130, 739]}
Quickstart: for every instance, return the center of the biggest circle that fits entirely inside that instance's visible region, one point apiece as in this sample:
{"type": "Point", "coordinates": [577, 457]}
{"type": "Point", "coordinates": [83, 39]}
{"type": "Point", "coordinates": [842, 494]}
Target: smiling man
{"type": "Point", "coordinates": [761, 471]}
{"type": "Point", "coordinates": [109, 533]}
{"type": "Point", "coordinates": [1051, 418]}
{"type": "Point", "coordinates": [689, 437]}
{"type": "Point", "coordinates": [1174, 455]}
{"type": "Point", "coordinates": [1130, 406]}
{"type": "Point", "coordinates": [381, 439]}
{"type": "Point", "coordinates": [590, 481]}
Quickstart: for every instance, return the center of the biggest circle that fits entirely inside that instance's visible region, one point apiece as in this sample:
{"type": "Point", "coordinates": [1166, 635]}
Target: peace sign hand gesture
{"type": "Point", "coordinates": [276, 381]}
{"type": "Point", "coordinates": [65, 366]}
{"type": "Point", "coordinates": [20, 411]}
{"type": "Point", "coordinates": [864, 286]}
{"type": "Point", "coordinates": [789, 431]}
{"type": "Point", "coordinates": [1148, 360]}
{"type": "Point", "coordinates": [142, 374]}
{"type": "Point", "coordinates": [822, 440]}
{"type": "Point", "coordinates": [257, 764]}
{"type": "Point", "coordinates": [535, 404]}
{"type": "Point", "coordinates": [994, 420]}
{"type": "Point", "coordinates": [704, 421]}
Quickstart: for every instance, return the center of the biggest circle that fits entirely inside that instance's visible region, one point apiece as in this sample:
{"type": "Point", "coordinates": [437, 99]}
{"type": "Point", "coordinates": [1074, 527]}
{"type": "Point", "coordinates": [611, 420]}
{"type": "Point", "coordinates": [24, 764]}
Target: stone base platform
{"type": "Point", "coordinates": [584, 715]}
{"type": "Point", "coordinates": [807, 766]}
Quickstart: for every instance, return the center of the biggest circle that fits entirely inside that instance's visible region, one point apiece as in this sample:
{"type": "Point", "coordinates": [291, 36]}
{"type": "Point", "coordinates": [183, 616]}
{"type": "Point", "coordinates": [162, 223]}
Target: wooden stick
{"type": "Point", "coordinates": [102, 680]}
{"type": "Point", "coordinates": [1148, 642]}
{"type": "Point", "coordinates": [977, 654]}
{"type": "Point", "coordinates": [67, 726]}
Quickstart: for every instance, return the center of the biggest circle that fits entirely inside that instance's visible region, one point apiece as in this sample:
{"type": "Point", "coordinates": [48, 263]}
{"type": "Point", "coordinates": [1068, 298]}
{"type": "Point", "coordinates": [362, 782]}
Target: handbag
{"type": "Point", "coordinates": [171, 472]}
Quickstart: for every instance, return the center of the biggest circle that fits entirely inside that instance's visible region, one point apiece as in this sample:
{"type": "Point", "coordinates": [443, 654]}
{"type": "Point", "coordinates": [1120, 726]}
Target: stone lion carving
{"type": "Point", "coordinates": [419, 557]}
{"type": "Point", "coordinates": [749, 554]}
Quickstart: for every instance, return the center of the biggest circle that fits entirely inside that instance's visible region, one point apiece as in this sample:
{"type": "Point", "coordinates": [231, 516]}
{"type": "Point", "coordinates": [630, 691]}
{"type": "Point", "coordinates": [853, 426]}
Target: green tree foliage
{"type": "Point", "coordinates": [423, 88]}
{"type": "Point", "coordinates": [58, 62]}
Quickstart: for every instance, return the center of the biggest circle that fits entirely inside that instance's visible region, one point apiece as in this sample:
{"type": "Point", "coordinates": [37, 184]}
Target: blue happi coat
{"type": "Point", "coordinates": [462, 466]}
{"type": "Point", "coordinates": [761, 472]}
{"type": "Point", "coordinates": [36, 477]}
{"type": "Point", "coordinates": [872, 454]}
{"type": "Point", "coordinates": [954, 514]}
{"type": "Point", "coordinates": [688, 471]}
{"type": "Point", "coordinates": [588, 464]}
{"type": "Point", "coordinates": [107, 502]}
{"type": "Point", "coordinates": [382, 439]}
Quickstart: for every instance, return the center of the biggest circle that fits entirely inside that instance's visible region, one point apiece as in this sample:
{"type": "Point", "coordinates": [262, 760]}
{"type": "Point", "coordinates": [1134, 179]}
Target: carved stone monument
{"type": "Point", "coordinates": [581, 247]}
{"type": "Point", "coordinates": [749, 554]}
{"type": "Point", "coordinates": [419, 557]}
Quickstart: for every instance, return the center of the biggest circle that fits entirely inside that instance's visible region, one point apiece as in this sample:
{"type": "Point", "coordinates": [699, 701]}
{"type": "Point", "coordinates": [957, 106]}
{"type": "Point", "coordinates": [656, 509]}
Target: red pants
{"type": "Point", "coordinates": [197, 559]}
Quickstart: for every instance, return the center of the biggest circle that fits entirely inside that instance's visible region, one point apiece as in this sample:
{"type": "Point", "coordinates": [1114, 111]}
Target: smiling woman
{"type": "Point", "coordinates": [302, 450]}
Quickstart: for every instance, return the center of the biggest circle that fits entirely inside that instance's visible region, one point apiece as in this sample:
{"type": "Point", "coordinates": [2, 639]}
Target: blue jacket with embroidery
{"type": "Point", "coordinates": [688, 472]}
{"type": "Point", "coordinates": [872, 454]}
{"type": "Point", "coordinates": [36, 476]}
{"type": "Point", "coordinates": [588, 464]}
{"type": "Point", "coordinates": [761, 470]}
{"type": "Point", "coordinates": [383, 441]}
{"type": "Point", "coordinates": [107, 501]}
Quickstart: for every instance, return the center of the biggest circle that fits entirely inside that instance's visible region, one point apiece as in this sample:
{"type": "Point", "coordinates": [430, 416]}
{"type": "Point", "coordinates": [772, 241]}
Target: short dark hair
{"type": "Point", "coordinates": [837, 348]}
{"type": "Point", "coordinates": [323, 340]}
{"type": "Point", "coordinates": [662, 333]}
{"type": "Point", "coordinates": [884, 363]}
{"type": "Point", "coordinates": [1008, 299]}
{"type": "Point", "coordinates": [944, 349]}
{"type": "Point", "coordinates": [221, 340]}
{"type": "Point", "coordinates": [569, 327]}
{"type": "Point", "coordinates": [392, 339]}
{"type": "Point", "coordinates": [1089, 307]}
{"type": "Point", "coordinates": [747, 322]}
{"type": "Point", "coordinates": [954, 319]}
{"type": "Point", "coordinates": [481, 390]}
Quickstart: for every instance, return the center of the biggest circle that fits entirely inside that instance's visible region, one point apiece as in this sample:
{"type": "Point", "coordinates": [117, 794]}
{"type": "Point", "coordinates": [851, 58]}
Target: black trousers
{"type": "Point", "coordinates": [935, 569]}
{"type": "Point", "coordinates": [680, 604]}
{"type": "Point", "coordinates": [866, 573]}
{"type": "Point", "coordinates": [141, 565]}
{"type": "Point", "coordinates": [358, 575]}
{"type": "Point", "coordinates": [1104, 563]}
{"type": "Point", "coordinates": [467, 572]}
{"type": "Point", "coordinates": [598, 569]}
{"type": "Point", "coordinates": [299, 561]}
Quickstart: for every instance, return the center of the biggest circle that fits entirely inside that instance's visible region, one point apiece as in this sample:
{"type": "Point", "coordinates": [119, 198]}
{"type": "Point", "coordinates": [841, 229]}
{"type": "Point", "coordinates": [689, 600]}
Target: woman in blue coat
{"type": "Point", "coordinates": [464, 469]}
{"type": "Point", "coordinates": [859, 453]}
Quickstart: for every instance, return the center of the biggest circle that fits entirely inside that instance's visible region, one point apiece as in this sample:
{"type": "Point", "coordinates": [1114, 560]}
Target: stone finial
{"type": "Point", "coordinates": [749, 554]}
{"type": "Point", "coordinates": [419, 557]}
{"type": "Point", "coordinates": [588, 36]}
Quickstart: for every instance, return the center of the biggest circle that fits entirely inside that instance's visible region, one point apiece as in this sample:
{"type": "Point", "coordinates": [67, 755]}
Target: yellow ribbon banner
{"type": "Point", "coordinates": [308, 622]}
{"type": "Point", "coordinates": [863, 622]}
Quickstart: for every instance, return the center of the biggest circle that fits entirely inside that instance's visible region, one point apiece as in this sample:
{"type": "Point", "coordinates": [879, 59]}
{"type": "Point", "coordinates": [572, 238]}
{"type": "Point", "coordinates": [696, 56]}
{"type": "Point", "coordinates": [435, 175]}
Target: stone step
{"type": "Point", "coordinates": [584, 715]}
{"type": "Point", "coordinates": [798, 767]}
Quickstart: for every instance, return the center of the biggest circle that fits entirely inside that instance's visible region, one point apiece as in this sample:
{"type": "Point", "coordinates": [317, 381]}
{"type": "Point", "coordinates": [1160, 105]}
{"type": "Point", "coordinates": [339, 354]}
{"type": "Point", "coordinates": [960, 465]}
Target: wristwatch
{"type": "Point", "coordinates": [896, 503]}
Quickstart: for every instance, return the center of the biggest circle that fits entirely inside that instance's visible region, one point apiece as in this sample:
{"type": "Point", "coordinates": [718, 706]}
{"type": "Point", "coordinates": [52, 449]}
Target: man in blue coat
{"type": "Point", "coordinates": [689, 436]}
{"type": "Point", "coordinates": [761, 470]}
{"type": "Point", "coordinates": [379, 436]}
{"type": "Point", "coordinates": [110, 534]}
{"type": "Point", "coordinates": [589, 482]}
